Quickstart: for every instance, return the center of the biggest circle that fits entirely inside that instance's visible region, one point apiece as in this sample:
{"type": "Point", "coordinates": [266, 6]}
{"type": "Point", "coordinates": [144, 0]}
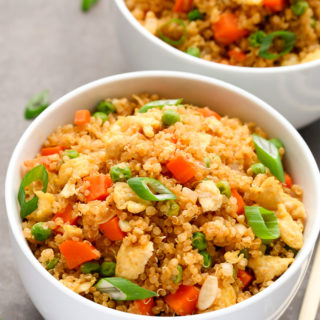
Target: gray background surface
{"type": "Point", "coordinates": [53, 45]}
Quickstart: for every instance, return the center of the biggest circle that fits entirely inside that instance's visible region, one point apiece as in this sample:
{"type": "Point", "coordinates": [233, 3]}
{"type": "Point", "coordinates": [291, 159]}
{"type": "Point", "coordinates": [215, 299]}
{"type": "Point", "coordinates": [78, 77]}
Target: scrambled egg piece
{"type": "Point", "coordinates": [311, 56]}
{"type": "Point", "coordinates": [132, 259]}
{"type": "Point", "coordinates": [44, 210]}
{"type": "Point", "coordinates": [76, 168]}
{"type": "Point", "coordinates": [267, 267]}
{"type": "Point", "coordinates": [226, 298]}
{"type": "Point", "coordinates": [290, 231]}
{"type": "Point", "coordinates": [209, 196]}
{"type": "Point", "coordinates": [269, 194]}
{"type": "Point", "coordinates": [68, 190]}
{"type": "Point", "coordinates": [250, 2]}
{"type": "Point", "coordinates": [204, 140]}
{"type": "Point", "coordinates": [126, 199]}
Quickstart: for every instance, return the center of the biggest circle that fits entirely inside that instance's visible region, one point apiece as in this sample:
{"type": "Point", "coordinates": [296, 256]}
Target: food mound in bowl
{"type": "Point", "coordinates": [251, 33]}
{"type": "Point", "coordinates": [158, 207]}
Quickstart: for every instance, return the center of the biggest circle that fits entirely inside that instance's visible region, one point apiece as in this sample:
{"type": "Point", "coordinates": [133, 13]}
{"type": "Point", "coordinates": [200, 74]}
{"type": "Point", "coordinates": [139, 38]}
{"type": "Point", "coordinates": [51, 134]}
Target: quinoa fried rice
{"type": "Point", "coordinates": [156, 246]}
{"type": "Point", "coordinates": [220, 30]}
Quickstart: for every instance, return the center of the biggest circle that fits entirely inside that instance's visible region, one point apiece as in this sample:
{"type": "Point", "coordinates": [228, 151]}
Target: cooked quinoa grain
{"type": "Point", "coordinates": [180, 233]}
{"type": "Point", "coordinates": [232, 32]}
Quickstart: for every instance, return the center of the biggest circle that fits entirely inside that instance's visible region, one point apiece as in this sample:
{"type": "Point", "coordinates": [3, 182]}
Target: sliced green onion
{"type": "Point", "coordinates": [195, 15]}
{"type": "Point", "coordinates": [277, 143]}
{"type": "Point", "coordinates": [120, 174]}
{"type": "Point", "coordinates": [289, 39]}
{"type": "Point", "coordinates": [193, 51]}
{"type": "Point", "coordinates": [263, 222]}
{"type": "Point", "coordinates": [122, 289]}
{"type": "Point", "coordinates": [88, 4]}
{"type": "Point", "coordinates": [170, 117]}
{"type": "Point", "coordinates": [145, 187]}
{"type": "Point", "coordinates": [299, 7]}
{"type": "Point", "coordinates": [268, 154]}
{"type": "Point", "coordinates": [224, 188]}
{"type": "Point", "coordinates": [207, 162]}
{"type": "Point", "coordinates": [90, 267]}
{"type": "Point", "coordinates": [169, 40]}
{"type": "Point", "coordinates": [37, 104]}
{"type": "Point", "coordinates": [159, 104]}
{"type": "Point", "coordinates": [108, 269]}
{"type": "Point", "coordinates": [41, 232]}
{"type": "Point", "coordinates": [37, 173]}
{"type": "Point", "coordinates": [50, 264]}
{"type": "Point", "coordinates": [199, 241]}
{"type": "Point", "coordinates": [313, 22]}
{"type": "Point", "coordinates": [258, 168]}
{"type": "Point", "coordinates": [257, 38]}
{"type": "Point", "coordinates": [105, 107]}
{"type": "Point", "coordinates": [72, 154]}
{"type": "Point", "coordinates": [178, 277]}
{"type": "Point", "coordinates": [101, 115]}
{"type": "Point", "coordinates": [245, 253]}
{"type": "Point", "coordinates": [207, 260]}
{"type": "Point", "coordinates": [174, 208]}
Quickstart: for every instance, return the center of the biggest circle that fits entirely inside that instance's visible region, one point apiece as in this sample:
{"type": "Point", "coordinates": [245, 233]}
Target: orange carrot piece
{"type": "Point", "coordinates": [245, 277]}
{"type": "Point", "coordinates": [227, 29]}
{"type": "Point", "coordinates": [78, 252]}
{"type": "Point", "coordinates": [66, 215]}
{"type": "Point", "coordinates": [240, 202]}
{"type": "Point", "coordinates": [287, 180]}
{"type": "Point", "coordinates": [182, 169]}
{"type": "Point", "coordinates": [111, 229]}
{"type": "Point", "coordinates": [183, 6]}
{"type": "Point", "coordinates": [98, 188]}
{"type": "Point", "coordinates": [51, 150]}
{"type": "Point", "coordinates": [237, 55]}
{"type": "Point", "coordinates": [274, 5]}
{"type": "Point", "coordinates": [206, 112]}
{"type": "Point", "coordinates": [45, 160]}
{"type": "Point", "coordinates": [144, 307]}
{"type": "Point", "coordinates": [82, 117]}
{"type": "Point", "coordinates": [184, 300]}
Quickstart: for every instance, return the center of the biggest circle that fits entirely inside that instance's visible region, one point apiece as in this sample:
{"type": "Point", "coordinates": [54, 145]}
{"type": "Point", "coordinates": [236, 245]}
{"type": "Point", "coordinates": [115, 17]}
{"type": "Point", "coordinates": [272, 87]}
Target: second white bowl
{"type": "Point", "coordinates": [293, 90]}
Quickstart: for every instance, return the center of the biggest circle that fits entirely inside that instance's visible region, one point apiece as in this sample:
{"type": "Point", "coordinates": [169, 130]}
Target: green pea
{"type": "Point", "coordinates": [90, 267]}
{"type": "Point", "coordinates": [277, 143]}
{"type": "Point", "coordinates": [174, 208]}
{"type": "Point", "coordinates": [258, 168]}
{"type": "Point", "coordinates": [103, 116]}
{"type": "Point", "coordinates": [299, 7]}
{"type": "Point", "coordinates": [120, 174]}
{"type": "Point", "coordinates": [245, 253]}
{"type": "Point", "coordinates": [199, 241]}
{"type": "Point", "coordinates": [193, 51]}
{"type": "Point", "coordinates": [207, 260]}
{"type": "Point", "coordinates": [108, 269]}
{"type": "Point", "coordinates": [195, 15]}
{"type": "Point", "coordinates": [178, 277]}
{"type": "Point", "coordinates": [170, 117]}
{"type": "Point", "coordinates": [71, 153]}
{"type": "Point", "coordinates": [257, 38]}
{"type": "Point", "coordinates": [224, 188]}
{"type": "Point", "coordinates": [105, 107]}
{"type": "Point", "coordinates": [41, 231]}
{"type": "Point", "coordinates": [50, 264]}
{"type": "Point", "coordinates": [207, 162]}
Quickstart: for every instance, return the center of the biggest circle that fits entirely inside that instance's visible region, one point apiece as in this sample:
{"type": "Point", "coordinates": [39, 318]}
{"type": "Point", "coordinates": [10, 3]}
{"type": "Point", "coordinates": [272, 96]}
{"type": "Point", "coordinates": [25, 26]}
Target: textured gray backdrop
{"type": "Point", "coordinates": [52, 44]}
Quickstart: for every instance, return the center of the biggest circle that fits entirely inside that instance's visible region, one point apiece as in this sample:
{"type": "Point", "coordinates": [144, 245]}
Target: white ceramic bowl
{"type": "Point", "coordinates": [293, 90]}
{"type": "Point", "coordinates": [53, 300]}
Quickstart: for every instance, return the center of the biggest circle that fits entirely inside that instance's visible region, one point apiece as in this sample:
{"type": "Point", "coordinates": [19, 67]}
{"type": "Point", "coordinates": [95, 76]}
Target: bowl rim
{"type": "Point", "coordinates": [204, 63]}
{"type": "Point", "coordinates": [11, 201]}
